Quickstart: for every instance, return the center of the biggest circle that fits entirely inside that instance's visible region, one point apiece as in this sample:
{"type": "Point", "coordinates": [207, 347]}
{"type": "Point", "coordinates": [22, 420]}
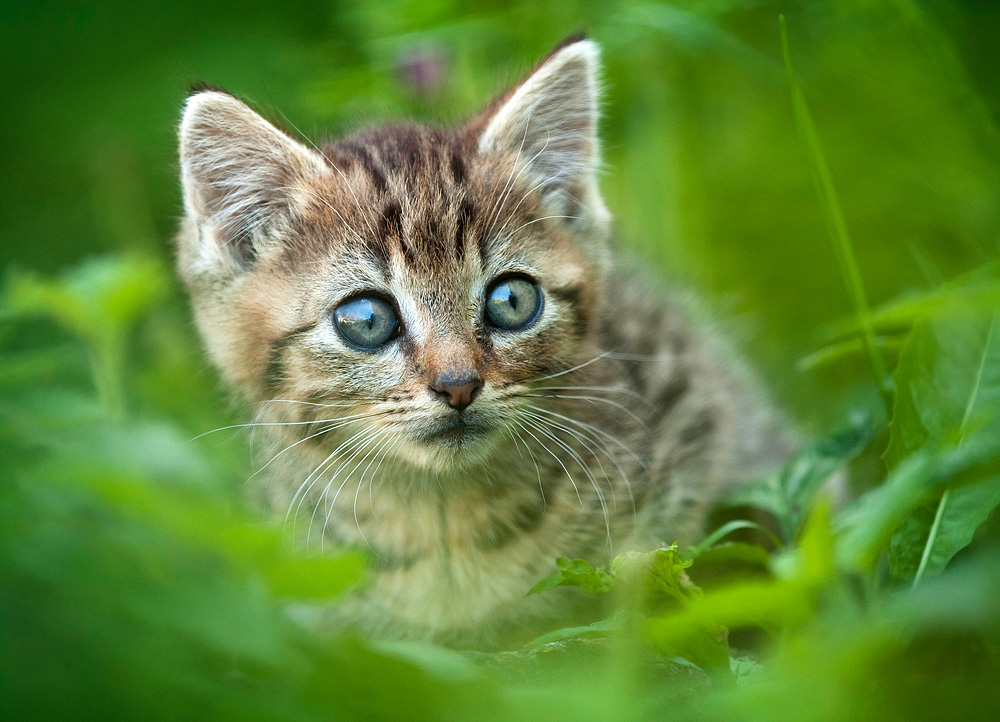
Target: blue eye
{"type": "Point", "coordinates": [513, 303]}
{"type": "Point", "coordinates": [367, 322]}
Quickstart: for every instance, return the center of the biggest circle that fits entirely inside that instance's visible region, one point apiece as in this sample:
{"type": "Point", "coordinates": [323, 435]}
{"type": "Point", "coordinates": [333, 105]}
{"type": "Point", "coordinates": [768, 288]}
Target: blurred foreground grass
{"type": "Point", "coordinates": [135, 582]}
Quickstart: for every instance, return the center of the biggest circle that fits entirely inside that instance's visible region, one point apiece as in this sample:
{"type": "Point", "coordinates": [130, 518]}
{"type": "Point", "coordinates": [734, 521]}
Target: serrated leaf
{"type": "Point", "coordinates": [667, 574]}
{"type": "Point", "coordinates": [576, 573]}
{"type": "Point", "coordinates": [746, 671]}
{"type": "Point", "coordinates": [698, 630]}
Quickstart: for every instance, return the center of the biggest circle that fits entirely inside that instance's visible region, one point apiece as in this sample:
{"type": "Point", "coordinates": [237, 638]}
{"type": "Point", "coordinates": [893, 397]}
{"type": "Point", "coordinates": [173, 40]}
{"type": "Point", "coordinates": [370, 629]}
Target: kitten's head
{"type": "Point", "coordinates": [406, 283]}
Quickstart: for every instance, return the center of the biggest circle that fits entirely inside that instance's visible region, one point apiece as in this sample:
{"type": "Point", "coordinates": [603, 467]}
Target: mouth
{"type": "Point", "coordinates": [454, 432]}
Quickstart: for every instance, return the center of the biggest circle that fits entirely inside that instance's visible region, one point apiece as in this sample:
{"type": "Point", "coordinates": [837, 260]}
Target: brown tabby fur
{"type": "Point", "coordinates": [609, 424]}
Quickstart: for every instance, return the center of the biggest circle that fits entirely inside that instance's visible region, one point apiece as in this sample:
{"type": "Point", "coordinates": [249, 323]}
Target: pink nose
{"type": "Point", "coordinates": [458, 391]}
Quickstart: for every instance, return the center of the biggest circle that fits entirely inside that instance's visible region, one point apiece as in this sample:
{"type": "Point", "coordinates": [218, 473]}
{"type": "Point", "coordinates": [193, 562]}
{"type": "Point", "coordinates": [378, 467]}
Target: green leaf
{"type": "Point", "coordinates": [100, 301]}
{"type": "Point", "coordinates": [789, 493]}
{"type": "Point", "coordinates": [978, 293]}
{"type": "Point", "coordinates": [948, 384]}
{"type": "Point", "coordinates": [98, 297]}
{"type": "Point", "coordinates": [870, 521]}
{"type": "Point", "coordinates": [940, 530]}
{"type": "Point", "coordinates": [438, 662]}
{"type": "Point", "coordinates": [728, 528]}
{"type": "Point", "coordinates": [746, 671]}
{"type": "Point", "coordinates": [667, 573]}
{"type": "Point", "coordinates": [576, 573]}
{"type": "Point", "coordinates": [603, 628]}
{"type": "Point", "coordinates": [948, 394]}
{"type": "Point", "coordinates": [764, 493]}
{"type": "Point", "coordinates": [729, 552]}
{"type": "Point", "coordinates": [804, 475]}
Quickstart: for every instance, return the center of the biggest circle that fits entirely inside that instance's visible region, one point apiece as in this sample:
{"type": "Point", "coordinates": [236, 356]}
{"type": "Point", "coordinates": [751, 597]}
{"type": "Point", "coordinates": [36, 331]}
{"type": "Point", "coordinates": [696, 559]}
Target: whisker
{"type": "Point", "coordinates": [617, 356]}
{"type": "Point", "coordinates": [536, 220]}
{"type": "Point", "coordinates": [385, 455]}
{"type": "Point", "coordinates": [592, 399]}
{"type": "Point", "coordinates": [314, 403]}
{"type": "Point", "coordinates": [324, 430]}
{"type": "Point", "coordinates": [529, 192]}
{"type": "Point", "coordinates": [578, 435]}
{"type": "Point", "coordinates": [316, 472]}
{"type": "Point", "coordinates": [538, 185]}
{"type": "Point", "coordinates": [253, 424]}
{"type": "Point", "coordinates": [585, 364]}
{"type": "Point", "coordinates": [393, 464]}
{"type": "Point", "coordinates": [321, 468]}
{"type": "Point", "coordinates": [593, 429]}
{"type": "Point", "coordinates": [325, 202]}
{"type": "Point", "coordinates": [516, 437]}
{"type": "Point", "coordinates": [592, 432]}
{"type": "Point", "coordinates": [538, 425]}
{"type": "Point", "coordinates": [558, 461]}
{"type": "Point", "coordinates": [373, 450]}
{"type": "Point", "coordinates": [388, 443]}
{"type": "Point", "coordinates": [616, 389]}
{"type": "Point", "coordinates": [372, 439]}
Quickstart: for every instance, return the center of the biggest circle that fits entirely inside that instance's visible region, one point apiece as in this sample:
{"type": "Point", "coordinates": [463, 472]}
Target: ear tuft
{"type": "Point", "coordinates": [201, 86]}
{"type": "Point", "coordinates": [549, 122]}
{"type": "Point", "coordinates": [572, 39]}
{"type": "Point", "coordinates": [238, 171]}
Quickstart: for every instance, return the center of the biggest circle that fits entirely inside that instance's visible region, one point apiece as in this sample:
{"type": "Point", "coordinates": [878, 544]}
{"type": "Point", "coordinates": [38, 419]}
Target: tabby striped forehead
{"type": "Point", "coordinates": [427, 198]}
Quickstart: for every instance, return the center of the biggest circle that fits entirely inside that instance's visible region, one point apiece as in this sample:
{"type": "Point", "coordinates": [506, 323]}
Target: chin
{"type": "Point", "coordinates": [451, 447]}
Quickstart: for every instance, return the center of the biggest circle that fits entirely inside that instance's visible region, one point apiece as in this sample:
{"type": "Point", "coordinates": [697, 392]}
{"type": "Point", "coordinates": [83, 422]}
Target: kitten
{"type": "Point", "coordinates": [453, 370]}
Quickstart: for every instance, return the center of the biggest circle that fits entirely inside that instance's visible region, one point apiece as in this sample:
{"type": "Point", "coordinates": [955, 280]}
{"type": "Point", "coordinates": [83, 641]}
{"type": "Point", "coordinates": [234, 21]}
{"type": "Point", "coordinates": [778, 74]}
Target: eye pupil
{"type": "Point", "coordinates": [513, 303]}
{"type": "Point", "coordinates": [367, 322]}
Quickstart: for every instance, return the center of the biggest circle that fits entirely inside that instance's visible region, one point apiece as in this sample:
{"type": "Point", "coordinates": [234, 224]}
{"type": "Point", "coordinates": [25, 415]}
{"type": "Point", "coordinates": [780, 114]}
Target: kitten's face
{"type": "Point", "coordinates": [465, 295]}
{"type": "Point", "coordinates": [403, 290]}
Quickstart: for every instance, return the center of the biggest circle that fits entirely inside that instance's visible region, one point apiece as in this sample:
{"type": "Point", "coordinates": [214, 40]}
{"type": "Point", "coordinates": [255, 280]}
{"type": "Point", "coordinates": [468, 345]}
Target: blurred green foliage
{"type": "Point", "coordinates": [137, 583]}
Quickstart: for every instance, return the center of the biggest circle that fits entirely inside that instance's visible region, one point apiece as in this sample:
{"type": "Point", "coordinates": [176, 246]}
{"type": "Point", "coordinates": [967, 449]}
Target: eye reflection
{"type": "Point", "coordinates": [513, 303]}
{"type": "Point", "coordinates": [367, 322]}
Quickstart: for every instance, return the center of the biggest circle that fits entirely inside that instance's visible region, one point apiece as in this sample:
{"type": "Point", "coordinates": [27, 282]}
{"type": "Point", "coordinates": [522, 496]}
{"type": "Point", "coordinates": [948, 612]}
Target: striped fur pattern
{"type": "Point", "coordinates": [611, 423]}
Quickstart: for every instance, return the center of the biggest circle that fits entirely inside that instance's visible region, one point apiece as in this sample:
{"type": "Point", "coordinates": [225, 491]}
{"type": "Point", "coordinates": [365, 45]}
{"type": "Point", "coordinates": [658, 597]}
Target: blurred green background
{"type": "Point", "coordinates": [135, 581]}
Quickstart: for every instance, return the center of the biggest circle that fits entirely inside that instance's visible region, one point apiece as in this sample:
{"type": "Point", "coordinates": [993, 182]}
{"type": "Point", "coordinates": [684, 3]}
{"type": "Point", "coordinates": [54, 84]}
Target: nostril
{"type": "Point", "coordinates": [457, 392]}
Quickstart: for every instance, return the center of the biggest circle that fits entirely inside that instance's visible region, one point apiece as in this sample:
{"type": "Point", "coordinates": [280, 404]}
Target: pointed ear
{"type": "Point", "coordinates": [550, 123]}
{"type": "Point", "coordinates": [238, 173]}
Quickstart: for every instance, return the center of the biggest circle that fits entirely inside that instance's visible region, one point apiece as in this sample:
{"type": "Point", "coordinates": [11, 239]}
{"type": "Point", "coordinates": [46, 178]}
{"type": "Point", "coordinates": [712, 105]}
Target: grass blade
{"type": "Point", "coordinates": [836, 225]}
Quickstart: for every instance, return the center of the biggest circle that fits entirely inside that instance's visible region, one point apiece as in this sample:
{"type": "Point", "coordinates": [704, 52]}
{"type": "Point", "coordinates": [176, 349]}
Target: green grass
{"type": "Point", "coordinates": [136, 582]}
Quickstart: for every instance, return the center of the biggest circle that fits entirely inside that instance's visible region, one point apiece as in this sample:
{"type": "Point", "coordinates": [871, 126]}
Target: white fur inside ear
{"type": "Point", "coordinates": [550, 123]}
{"type": "Point", "coordinates": [238, 172]}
